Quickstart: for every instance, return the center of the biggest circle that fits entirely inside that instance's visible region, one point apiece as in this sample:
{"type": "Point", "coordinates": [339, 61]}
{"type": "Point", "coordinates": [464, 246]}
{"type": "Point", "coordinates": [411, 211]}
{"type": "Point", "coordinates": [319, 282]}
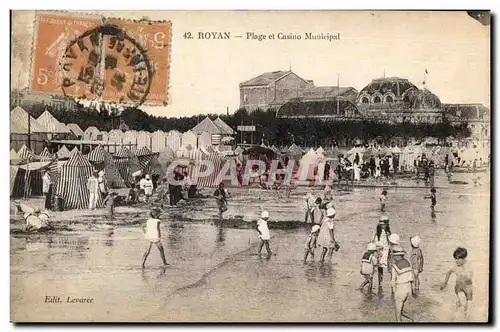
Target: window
{"type": "Point", "coordinates": [365, 100]}
{"type": "Point", "coordinates": [388, 99]}
{"type": "Point", "coordinates": [245, 97]}
{"type": "Point", "coordinates": [376, 100]}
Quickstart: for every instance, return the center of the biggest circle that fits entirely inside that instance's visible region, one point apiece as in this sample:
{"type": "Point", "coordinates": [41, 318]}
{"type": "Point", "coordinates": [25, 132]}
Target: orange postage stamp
{"type": "Point", "coordinates": [105, 60]}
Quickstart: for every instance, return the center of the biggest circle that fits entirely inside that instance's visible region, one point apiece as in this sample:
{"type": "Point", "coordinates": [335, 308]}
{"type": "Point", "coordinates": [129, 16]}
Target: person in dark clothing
{"type": "Point", "coordinates": [220, 195]}
{"type": "Point", "coordinates": [373, 166]}
{"type": "Point", "coordinates": [356, 158]}
{"type": "Point", "coordinates": [326, 174]}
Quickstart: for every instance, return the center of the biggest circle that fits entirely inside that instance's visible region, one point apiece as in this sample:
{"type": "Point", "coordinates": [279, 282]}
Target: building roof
{"type": "Point", "coordinates": [224, 127]}
{"type": "Point", "coordinates": [317, 108]}
{"type": "Point", "coordinates": [20, 117]}
{"type": "Point", "coordinates": [396, 85]}
{"type": "Point", "coordinates": [52, 124]}
{"type": "Point", "coordinates": [467, 111]}
{"type": "Point", "coordinates": [265, 78]}
{"type": "Point", "coordinates": [75, 129]}
{"type": "Point", "coordinates": [324, 92]}
{"type": "Point", "coordinates": [206, 126]}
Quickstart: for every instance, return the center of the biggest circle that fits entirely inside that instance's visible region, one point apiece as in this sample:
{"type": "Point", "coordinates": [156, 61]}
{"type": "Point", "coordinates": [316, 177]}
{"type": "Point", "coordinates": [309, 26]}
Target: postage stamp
{"type": "Point", "coordinates": [290, 166]}
{"type": "Point", "coordinates": [106, 60]}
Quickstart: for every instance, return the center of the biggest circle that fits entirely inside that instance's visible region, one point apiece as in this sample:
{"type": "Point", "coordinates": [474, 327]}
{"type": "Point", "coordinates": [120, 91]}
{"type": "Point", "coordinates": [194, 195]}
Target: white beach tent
{"type": "Point", "coordinates": [307, 165]}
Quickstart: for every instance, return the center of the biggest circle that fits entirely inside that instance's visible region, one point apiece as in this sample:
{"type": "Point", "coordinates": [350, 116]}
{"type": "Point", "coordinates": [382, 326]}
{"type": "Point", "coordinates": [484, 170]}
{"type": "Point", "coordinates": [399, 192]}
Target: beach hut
{"type": "Point", "coordinates": [224, 127]}
{"type": "Point", "coordinates": [102, 160]}
{"type": "Point", "coordinates": [104, 136]}
{"type": "Point", "coordinates": [174, 140]}
{"type": "Point", "coordinates": [307, 166]}
{"type": "Point", "coordinates": [63, 153]}
{"type": "Point", "coordinates": [72, 186]}
{"type": "Point", "coordinates": [189, 138]}
{"type": "Point", "coordinates": [208, 126]}
{"type": "Point", "coordinates": [320, 150]}
{"type": "Point", "coordinates": [158, 141]}
{"type": "Point", "coordinates": [20, 121]}
{"type": "Point", "coordinates": [92, 134]}
{"type": "Point", "coordinates": [204, 139]}
{"type": "Point", "coordinates": [143, 139]}
{"type": "Point", "coordinates": [216, 162]}
{"type": "Point", "coordinates": [284, 150]}
{"type": "Point", "coordinates": [76, 130]}
{"type": "Point", "coordinates": [130, 137]}
{"type": "Point", "coordinates": [115, 136]}
{"type": "Point", "coordinates": [56, 128]}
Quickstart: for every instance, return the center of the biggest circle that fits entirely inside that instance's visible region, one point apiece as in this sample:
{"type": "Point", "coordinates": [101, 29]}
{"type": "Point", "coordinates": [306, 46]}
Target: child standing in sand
{"type": "Point", "coordinates": [432, 196]}
{"type": "Point", "coordinates": [368, 263]}
{"type": "Point", "coordinates": [264, 234]}
{"type": "Point", "coordinates": [153, 235]}
{"type": "Point", "coordinates": [311, 243]}
{"type": "Point", "coordinates": [383, 199]}
{"type": "Point", "coordinates": [463, 283]}
{"type": "Point", "coordinates": [109, 203]}
{"type": "Point", "coordinates": [417, 262]}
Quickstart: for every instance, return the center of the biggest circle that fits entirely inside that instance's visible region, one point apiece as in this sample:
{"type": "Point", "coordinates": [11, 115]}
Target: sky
{"type": "Point", "coordinates": [205, 74]}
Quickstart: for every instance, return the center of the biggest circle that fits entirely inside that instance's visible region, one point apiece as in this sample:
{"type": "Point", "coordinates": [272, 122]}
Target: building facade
{"type": "Point", "coordinates": [272, 89]}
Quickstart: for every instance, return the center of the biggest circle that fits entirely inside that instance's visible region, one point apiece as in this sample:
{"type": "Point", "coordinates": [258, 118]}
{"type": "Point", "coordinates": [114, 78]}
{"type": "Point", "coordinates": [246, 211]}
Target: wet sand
{"type": "Point", "coordinates": [215, 274]}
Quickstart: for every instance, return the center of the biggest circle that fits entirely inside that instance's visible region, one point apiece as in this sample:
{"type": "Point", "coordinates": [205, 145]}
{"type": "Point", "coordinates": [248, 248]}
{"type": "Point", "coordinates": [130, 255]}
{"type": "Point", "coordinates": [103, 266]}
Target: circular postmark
{"type": "Point", "coordinates": [106, 64]}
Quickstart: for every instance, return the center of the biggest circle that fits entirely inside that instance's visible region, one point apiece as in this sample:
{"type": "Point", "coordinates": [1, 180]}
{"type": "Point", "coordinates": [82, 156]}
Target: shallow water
{"type": "Point", "coordinates": [215, 274]}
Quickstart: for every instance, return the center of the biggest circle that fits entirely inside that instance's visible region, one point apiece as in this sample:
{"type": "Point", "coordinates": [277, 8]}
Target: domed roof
{"type": "Point", "coordinates": [396, 85]}
{"type": "Point", "coordinates": [423, 99]}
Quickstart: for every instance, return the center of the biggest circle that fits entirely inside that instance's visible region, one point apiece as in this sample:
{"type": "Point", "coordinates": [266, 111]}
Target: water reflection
{"type": "Point", "coordinates": [221, 235]}
{"type": "Point", "coordinates": [433, 216]}
{"type": "Point", "coordinates": [175, 233]}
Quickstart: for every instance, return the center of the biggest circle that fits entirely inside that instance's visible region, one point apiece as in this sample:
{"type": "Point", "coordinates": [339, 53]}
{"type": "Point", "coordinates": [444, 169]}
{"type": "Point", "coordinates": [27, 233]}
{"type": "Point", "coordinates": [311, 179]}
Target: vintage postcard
{"type": "Point", "coordinates": [250, 166]}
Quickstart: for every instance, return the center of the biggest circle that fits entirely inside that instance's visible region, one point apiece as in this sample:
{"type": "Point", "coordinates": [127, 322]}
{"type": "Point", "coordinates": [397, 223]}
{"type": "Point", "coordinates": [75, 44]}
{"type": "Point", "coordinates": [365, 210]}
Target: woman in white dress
{"type": "Point", "coordinates": [357, 172]}
{"type": "Point", "coordinates": [381, 239]}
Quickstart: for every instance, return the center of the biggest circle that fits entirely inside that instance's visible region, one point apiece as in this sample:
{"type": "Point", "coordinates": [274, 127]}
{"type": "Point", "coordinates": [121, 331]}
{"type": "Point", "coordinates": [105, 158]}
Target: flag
{"type": "Point", "coordinates": [426, 71]}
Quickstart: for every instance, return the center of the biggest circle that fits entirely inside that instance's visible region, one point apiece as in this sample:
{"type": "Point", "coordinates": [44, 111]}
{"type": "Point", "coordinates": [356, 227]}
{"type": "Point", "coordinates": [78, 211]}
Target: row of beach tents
{"type": "Point", "coordinates": [205, 133]}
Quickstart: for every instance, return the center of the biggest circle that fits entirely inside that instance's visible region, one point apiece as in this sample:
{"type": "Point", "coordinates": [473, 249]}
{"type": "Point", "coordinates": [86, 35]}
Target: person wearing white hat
{"type": "Point", "coordinates": [311, 243]}
{"type": "Point", "coordinates": [401, 280]}
{"type": "Point", "coordinates": [264, 234]}
{"type": "Point", "coordinates": [326, 237]}
{"type": "Point", "coordinates": [381, 240]}
{"type": "Point", "coordinates": [368, 262]}
{"type": "Point", "coordinates": [417, 262]}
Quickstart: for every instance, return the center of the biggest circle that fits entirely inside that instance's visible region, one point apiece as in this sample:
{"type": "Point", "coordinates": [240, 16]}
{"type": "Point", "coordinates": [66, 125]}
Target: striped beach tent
{"type": "Point", "coordinates": [27, 179]}
{"type": "Point", "coordinates": [24, 153]}
{"type": "Point", "coordinates": [158, 141]}
{"type": "Point", "coordinates": [45, 155]}
{"type": "Point", "coordinates": [127, 164]}
{"type": "Point", "coordinates": [144, 156]}
{"type": "Point", "coordinates": [216, 160]}
{"type": "Point", "coordinates": [72, 186]}
{"type": "Point", "coordinates": [102, 160]}
{"type": "Point", "coordinates": [63, 153]}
